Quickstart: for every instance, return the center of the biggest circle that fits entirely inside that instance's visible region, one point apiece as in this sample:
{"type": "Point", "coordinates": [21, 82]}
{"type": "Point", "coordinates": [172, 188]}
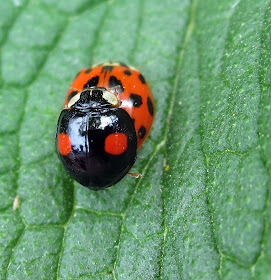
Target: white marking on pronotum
{"type": "Point", "coordinates": [110, 97]}
{"type": "Point", "coordinates": [74, 100]}
{"type": "Point", "coordinates": [16, 202]}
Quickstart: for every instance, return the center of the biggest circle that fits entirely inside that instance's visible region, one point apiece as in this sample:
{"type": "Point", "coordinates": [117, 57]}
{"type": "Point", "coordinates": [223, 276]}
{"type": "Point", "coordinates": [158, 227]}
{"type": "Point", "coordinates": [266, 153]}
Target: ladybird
{"type": "Point", "coordinates": [107, 115]}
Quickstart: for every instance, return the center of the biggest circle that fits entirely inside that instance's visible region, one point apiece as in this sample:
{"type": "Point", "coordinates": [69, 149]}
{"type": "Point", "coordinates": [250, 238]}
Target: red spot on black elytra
{"type": "Point", "coordinates": [64, 144]}
{"type": "Point", "coordinates": [150, 106]}
{"type": "Point", "coordinates": [136, 100]}
{"type": "Point", "coordinates": [142, 132]}
{"type": "Point", "coordinates": [116, 143]}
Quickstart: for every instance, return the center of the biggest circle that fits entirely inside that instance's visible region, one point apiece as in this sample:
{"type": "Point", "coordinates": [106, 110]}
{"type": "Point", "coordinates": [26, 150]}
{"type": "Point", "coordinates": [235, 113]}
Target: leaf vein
{"type": "Point", "coordinates": [13, 249]}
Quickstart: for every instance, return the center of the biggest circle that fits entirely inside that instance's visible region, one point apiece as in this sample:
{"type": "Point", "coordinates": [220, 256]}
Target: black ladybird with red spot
{"type": "Point", "coordinates": [98, 132]}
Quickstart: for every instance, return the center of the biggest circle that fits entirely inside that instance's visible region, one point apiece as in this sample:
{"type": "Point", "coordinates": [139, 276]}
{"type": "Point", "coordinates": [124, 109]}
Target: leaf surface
{"type": "Point", "coordinates": [202, 210]}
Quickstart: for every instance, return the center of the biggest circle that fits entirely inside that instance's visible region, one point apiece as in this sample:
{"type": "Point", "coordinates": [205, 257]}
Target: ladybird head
{"type": "Point", "coordinates": [94, 97]}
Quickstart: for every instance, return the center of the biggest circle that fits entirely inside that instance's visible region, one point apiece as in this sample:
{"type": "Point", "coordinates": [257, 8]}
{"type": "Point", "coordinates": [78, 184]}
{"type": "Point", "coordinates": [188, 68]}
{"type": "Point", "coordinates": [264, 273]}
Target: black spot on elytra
{"type": "Point", "coordinates": [142, 79]}
{"type": "Point", "coordinates": [113, 82]}
{"type": "Point", "coordinates": [142, 132]}
{"type": "Point", "coordinates": [133, 120]}
{"type": "Point", "coordinates": [150, 106]}
{"type": "Point", "coordinates": [108, 68]}
{"type": "Point", "coordinates": [123, 64]}
{"type": "Point", "coordinates": [136, 100]}
{"type": "Point", "coordinates": [127, 73]}
{"type": "Point", "coordinates": [71, 95]}
{"type": "Point", "coordinates": [93, 82]}
{"type": "Point", "coordinates": [88, 70]}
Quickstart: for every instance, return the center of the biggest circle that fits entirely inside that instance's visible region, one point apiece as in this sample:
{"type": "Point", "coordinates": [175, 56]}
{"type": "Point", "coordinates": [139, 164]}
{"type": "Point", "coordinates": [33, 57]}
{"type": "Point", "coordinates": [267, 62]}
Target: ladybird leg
{"type": "Point", "coordinates": [136, 175]}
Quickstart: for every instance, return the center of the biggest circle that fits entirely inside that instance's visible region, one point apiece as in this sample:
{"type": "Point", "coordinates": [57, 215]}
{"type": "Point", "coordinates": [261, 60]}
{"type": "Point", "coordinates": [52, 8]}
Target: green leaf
{"type": "Point", "coordinates": [202, 210]}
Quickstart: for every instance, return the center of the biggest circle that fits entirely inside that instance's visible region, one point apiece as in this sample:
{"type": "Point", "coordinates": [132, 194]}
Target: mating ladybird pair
{"type": "Point", "coordinates": [107, 115]}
